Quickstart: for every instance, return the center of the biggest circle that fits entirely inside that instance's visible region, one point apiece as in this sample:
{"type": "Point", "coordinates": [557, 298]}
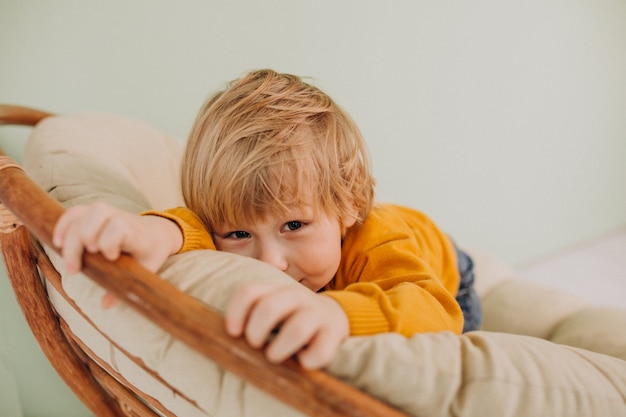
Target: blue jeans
{"type": "Point", "coordinates": [467, 296]}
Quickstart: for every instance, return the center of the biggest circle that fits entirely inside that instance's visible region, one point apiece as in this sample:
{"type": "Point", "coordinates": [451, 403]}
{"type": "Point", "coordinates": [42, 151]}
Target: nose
{"type": "Point", "coordinates": [273, 254]}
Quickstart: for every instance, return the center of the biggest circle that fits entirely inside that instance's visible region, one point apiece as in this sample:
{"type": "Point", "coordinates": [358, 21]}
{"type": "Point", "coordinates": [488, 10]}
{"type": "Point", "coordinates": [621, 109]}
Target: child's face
{"type": "Point", "coordinates": [305, 244]}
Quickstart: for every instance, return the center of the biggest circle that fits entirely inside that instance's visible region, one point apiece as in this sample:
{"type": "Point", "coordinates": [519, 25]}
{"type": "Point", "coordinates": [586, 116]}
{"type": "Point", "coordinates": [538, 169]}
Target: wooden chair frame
{"type": "Point", "coordinates": [28, 215]}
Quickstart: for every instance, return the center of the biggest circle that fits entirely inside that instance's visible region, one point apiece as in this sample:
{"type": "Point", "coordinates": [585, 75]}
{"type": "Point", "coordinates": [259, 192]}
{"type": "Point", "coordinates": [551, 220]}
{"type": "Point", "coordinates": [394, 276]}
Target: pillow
{"type": "Point", "coordinates": [477, 374]}
{"type": "Point", "coordinates": [143, 157]}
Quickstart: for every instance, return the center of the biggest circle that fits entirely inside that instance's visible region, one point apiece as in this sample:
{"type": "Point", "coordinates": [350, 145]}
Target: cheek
{"type": "Point", "coordinates": [321, 261]}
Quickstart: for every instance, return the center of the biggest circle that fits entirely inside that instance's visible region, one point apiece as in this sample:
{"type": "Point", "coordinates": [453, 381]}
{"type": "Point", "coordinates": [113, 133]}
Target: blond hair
{"type": "Point", "coordinates": [271, 141]}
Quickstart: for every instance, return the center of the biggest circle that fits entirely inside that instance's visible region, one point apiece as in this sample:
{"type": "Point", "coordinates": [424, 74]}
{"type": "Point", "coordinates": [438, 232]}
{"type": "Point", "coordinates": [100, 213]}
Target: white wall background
{"type": "Point", "coordinates": [505, 121]}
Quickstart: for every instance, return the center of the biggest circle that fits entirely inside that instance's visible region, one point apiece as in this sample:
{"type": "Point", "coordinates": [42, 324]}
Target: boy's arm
{"type": "Point", "coordinates": [397, 276]}
{"type": "Point", "coordinates": [406, 308]}
{"type": "Point", "coordinates": [194, 232]}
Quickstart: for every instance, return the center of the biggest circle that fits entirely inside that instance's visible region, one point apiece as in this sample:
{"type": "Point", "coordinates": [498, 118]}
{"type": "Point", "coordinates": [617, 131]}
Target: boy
{"type": "Point", "coordinates": [275, 170]}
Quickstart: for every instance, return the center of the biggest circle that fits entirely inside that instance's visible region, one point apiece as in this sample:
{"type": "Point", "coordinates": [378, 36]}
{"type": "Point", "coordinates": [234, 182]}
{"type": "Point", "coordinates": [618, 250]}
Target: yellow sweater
{"type": "Point", "coordinates": [398, 271]}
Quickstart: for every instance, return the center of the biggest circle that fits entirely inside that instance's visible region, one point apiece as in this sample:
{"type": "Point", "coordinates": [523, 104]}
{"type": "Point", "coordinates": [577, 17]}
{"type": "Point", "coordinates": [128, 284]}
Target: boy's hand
{"type": "Point", "coordinates": [311, 326]}
{"type": "Point", "coordinates": [99, 227]}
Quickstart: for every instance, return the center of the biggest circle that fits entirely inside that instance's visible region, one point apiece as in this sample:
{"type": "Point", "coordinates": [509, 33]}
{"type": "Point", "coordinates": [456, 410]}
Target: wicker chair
{"type": "Point", "coordinates": [164, 352]}
{"type": "Point", "coordinates": [28, 215]}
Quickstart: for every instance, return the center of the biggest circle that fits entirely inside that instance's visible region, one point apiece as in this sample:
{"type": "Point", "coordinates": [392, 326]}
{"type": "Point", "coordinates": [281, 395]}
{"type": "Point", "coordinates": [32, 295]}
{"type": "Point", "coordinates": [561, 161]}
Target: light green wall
{"type": "Point", "coordinates": [9, 397]}
{"type": "Point", "coordinates": [505, 121]}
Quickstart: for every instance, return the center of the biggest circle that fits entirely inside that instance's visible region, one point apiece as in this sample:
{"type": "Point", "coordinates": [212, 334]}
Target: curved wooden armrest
{"type": "Point", "coordinates": [19, 115]}
{"type": "Point", "coordinates": [315, 393]}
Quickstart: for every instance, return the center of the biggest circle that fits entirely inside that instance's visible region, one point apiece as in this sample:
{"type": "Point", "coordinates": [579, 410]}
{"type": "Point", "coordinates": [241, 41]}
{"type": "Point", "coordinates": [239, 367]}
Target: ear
{"type": "Point", "coordinates": [351, 219]}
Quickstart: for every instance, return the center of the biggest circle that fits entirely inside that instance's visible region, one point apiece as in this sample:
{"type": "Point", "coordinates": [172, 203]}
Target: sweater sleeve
{"type": "Point", "coordinates": [395, 277]}
{"type": "Point", "coordinates": [195, 234]}
{"type": "Point", "coordinates": [406, 308]}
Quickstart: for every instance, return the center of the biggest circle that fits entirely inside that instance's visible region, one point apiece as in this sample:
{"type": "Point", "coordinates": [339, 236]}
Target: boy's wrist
{"type": "Point", "coordinates": [191, 232]}
{"type": "Point", "coordinates": [171, 232]}
{"type": "Point", "coordinates": [362, 312]}
{"type": "Point", "coordinates": [174, 235]}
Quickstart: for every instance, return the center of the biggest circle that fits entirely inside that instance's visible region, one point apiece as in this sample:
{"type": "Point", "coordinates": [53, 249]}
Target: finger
{"type": "Point", "coordinates": [268, 314]}
{"type": "Point", "coordinates": [72, 251]}
{"type": "Point", "coordinates": [296, 333]}
{"type": "Point", "coordinates": [320, 351]}
{"type": "Point", "coordinates": [63, 224]}
{"type": "Point", "coordinates": [111, 239]}
{"type": "Point", "coordinates": [76, 233]}
{"type": "Point", "coordinates": [240, 305]}
{"type": "Point", "coordinates": [93, 223]}
{"type": "Point", "coordinates": [334, 328]}
{"type": "Point", "coordinates": [78, 230]}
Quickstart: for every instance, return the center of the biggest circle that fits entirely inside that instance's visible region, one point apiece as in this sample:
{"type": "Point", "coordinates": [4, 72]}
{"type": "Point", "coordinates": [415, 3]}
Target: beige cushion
{"type": "Point", "coordinates": [484, 373]}
{"type": "Point", "coordinates": [595, 328]}
{"type": "Point", "coordinates": [108, 145]}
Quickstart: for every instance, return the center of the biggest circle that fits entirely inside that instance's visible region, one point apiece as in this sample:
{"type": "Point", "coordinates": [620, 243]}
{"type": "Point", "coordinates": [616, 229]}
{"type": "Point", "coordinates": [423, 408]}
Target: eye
{"type": "Point", "coordinates": [238, 234]}
{"type": "Point", "coordinates": [292, 225]}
